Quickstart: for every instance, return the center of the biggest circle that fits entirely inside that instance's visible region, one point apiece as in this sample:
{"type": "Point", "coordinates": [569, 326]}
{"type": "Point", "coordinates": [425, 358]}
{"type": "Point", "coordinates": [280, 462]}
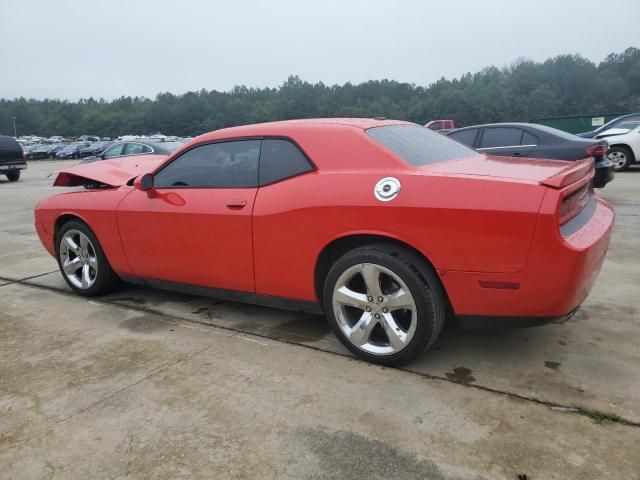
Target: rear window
{"type": "Point", "coordinates": [418, 145]}
{"type": "Point", "coordinates": [280, 159]}
{"type": "Point", "coordinates": [9, 144]}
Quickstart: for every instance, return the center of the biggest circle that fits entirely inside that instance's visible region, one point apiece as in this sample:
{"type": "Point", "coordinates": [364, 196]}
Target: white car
{"type": "Point", "coordinates": [624, 144]}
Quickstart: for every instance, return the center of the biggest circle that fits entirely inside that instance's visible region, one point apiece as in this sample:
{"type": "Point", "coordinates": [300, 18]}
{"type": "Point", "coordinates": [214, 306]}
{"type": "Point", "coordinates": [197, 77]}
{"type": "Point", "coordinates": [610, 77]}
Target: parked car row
{"type": "Point", "coordinates": [133, 148]}
{"type": "Point", "coordinates": [536, 141]}
{"type": "Point", "coordinates": [93, 147]}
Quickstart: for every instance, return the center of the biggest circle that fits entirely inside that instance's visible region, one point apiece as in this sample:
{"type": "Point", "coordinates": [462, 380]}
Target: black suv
{"type": "Point", "coordinates": [11, 158]}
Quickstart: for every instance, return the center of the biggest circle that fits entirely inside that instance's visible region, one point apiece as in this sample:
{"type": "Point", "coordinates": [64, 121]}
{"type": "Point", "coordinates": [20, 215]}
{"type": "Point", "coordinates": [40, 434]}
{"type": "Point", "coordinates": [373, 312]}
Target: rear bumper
{"type": "Point", "coordinates": [12, 166]}
{"type": "Point", "coordinates": [604, 173]}
{"type": "Point", "coordinates": [479, 322]}
{"type": "Point", "coordinates": [559, 273]}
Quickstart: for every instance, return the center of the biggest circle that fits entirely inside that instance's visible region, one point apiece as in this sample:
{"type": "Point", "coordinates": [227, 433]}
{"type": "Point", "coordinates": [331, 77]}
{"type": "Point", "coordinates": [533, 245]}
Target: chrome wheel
{"type": "Point", "coordinates": [374, 309]}
{"type": "Point", "coordinates": [78, 259]}
{"type": "Point", "coordinates": [618, 159]}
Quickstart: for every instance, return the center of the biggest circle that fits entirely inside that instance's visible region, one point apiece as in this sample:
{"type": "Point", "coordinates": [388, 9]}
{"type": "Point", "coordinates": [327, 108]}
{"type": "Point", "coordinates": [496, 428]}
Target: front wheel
{"type": "Point", "coordinates": [620, 157]}
{"type": "Point", "coordinates": [13, 176]}
{"type": "Point", "coordinates": [82, 261]}
{"type": "Point", "coordinates": [384, 303]}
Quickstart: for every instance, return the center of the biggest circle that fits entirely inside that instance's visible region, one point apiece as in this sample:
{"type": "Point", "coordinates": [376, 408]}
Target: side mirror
{"type": "Point", "coordinates": [144, 183]}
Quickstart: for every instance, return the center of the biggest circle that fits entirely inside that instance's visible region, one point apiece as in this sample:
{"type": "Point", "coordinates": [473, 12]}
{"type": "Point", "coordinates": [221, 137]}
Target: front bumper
{"type": "Point", "coordinates": [45, 237]}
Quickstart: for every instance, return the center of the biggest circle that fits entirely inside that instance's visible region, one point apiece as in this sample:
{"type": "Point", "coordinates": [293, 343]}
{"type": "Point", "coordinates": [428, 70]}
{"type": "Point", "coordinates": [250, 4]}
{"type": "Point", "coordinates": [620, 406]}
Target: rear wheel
{"type": "Point", "coordinates": [384, 303]}
{"type": "Point", "coordinates": [82, 261]}
{"type": "Point", "coordinates": [620, 157]}
{"type": "Point", "coordinates": [13, 176]}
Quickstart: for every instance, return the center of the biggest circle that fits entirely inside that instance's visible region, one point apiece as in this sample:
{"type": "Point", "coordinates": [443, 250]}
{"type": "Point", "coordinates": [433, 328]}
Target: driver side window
{"type": "Point", "coordinates": [215, 165]}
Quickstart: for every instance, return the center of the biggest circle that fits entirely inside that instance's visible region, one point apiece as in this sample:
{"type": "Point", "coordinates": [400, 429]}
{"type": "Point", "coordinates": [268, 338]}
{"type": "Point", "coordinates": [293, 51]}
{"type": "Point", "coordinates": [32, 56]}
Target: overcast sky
{"type": "Point", "coordinates": [72, 49]}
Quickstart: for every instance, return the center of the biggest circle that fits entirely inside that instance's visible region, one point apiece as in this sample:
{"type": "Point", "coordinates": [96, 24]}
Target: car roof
{"type": "Point", "coordinates": [502, 124]}
{"type": "Point", "coordinates": [283, 127]}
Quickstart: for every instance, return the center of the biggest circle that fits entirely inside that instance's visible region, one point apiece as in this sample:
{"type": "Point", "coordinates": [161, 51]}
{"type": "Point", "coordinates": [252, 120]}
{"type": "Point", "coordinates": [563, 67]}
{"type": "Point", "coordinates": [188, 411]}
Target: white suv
{"type": "Point", "coordinates": [624, 143]}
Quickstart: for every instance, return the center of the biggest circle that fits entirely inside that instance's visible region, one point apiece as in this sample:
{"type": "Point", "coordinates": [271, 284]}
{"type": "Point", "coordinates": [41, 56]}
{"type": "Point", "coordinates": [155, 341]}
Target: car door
{"type": "Point", "coordinates": [503, 141]}
{"type": "Point", "coordinates": [194, 227]}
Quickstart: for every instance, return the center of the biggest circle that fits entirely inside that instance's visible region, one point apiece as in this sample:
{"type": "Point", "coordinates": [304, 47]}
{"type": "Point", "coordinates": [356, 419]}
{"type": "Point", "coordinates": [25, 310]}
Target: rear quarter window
{"type": "Point", "coordinates": [529, 139]}
{"type": "Point", "coordinates": [418, 145]}
{"type": "Point", "coordinates": [281, 159]}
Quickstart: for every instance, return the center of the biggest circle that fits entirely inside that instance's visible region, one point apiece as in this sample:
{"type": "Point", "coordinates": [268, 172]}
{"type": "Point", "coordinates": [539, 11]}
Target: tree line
{"type": "Point", "coordinates": [522, 91]}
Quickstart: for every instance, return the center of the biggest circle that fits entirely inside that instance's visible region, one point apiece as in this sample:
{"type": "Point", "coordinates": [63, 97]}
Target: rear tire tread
{"type": "Point", "coordinates": [629, 155]}
{"type": "Point", "coordinates": [431, 296]}
{"type": "Point", "coordinates": [13, 176]}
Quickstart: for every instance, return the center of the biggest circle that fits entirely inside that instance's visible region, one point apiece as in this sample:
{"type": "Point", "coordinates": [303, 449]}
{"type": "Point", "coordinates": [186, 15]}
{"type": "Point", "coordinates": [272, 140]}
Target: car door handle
{"type": "Point", "coordinates": [517, 154]}
{"type": "Point", "coordinates": [237, 203]}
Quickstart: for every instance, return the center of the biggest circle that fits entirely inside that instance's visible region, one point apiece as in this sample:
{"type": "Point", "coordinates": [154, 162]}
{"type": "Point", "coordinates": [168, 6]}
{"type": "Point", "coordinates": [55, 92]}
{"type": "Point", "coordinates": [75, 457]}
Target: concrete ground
{"type": "Point", "coordinates": [150, 384]}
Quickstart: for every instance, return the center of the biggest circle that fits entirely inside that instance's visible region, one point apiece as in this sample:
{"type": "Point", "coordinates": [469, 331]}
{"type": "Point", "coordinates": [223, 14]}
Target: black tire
{"type": "Point", "coordinates": [418, 276]}
{"type": "Point", "coordinates": [618, 152]}
{"type": "Point", "coordinates": [106, 279]}
{"type": "Point", "coordinates": [13, 176]}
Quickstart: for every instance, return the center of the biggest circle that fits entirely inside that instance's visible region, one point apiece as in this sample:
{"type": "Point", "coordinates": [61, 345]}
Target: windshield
{"type": "Point", "coordinates": [626, 125]}
{"type": "Point", "coordinates": [419, 145]}
{"type": "Point", "coordinates": [616, 122]}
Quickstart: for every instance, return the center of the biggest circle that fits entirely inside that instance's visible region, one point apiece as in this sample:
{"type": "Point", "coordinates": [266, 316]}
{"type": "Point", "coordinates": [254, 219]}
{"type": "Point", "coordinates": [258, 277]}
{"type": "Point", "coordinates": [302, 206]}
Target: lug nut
{"type": "Point", "coordinates": [377, 315]}
{"type": "Point", "coordinates": [368, 309]}
{"type": "Point", "coordinates": [381, 299]}
{"type": "Point", "coordinates": [385, 310]}
{"type": "Point", "coordinates": [370, 299]}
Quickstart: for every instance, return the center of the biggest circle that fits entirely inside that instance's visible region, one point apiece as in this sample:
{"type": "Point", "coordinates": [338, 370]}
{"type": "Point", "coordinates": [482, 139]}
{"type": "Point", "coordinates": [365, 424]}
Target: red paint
{"type": "Point", "coordinates": [478, 220]}
{"type": "Point", "coordinates": [114, 172]}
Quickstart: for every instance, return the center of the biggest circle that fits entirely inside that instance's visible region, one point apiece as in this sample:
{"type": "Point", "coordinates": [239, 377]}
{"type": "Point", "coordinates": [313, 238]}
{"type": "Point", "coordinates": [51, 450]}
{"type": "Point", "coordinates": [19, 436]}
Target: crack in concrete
{"type": "Point", "coordinates": [162, 368]}
{"type": "Point", "coordinates": [11, 281]}
{"type": "Point", "coordinates": [153, 373]}
{"type": "Point", "coordinates": [559, 407]}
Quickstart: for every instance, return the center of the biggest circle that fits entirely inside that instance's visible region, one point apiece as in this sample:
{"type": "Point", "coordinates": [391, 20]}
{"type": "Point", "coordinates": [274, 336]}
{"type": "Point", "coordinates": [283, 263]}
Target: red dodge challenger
{"type": "Point", "coordinates": [385, 226]}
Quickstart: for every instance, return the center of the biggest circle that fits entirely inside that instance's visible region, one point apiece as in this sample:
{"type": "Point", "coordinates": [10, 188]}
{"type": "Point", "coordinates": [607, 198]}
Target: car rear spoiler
{"type": "Point", "coordinates": [579, 170]}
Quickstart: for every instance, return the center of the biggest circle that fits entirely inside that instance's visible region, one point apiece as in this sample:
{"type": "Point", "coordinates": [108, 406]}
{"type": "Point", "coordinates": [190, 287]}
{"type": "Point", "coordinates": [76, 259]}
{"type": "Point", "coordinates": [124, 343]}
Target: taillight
{"type": "Point", "coordinates": [596, 150]}
{"type": "Point", "coordinates": [573, 203]}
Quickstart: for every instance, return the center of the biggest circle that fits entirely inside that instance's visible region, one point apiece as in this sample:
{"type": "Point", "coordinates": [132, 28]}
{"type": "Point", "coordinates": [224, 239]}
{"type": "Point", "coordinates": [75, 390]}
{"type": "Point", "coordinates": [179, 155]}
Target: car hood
{"type": "Point", "coordinates": [613, 131]}
{"type": "Point", "coordinates": [555, 173]}
{"type": "Point", "coordinates": [115, 172]}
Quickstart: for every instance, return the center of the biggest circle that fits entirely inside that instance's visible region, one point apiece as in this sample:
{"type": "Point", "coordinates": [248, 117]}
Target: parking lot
{"type": "Point", "coordinates": [149, 384]}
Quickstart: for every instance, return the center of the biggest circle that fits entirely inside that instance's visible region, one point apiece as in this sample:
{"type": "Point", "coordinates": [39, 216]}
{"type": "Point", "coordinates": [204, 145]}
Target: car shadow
{"type": "Point", "coordinates": [455, 346]}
